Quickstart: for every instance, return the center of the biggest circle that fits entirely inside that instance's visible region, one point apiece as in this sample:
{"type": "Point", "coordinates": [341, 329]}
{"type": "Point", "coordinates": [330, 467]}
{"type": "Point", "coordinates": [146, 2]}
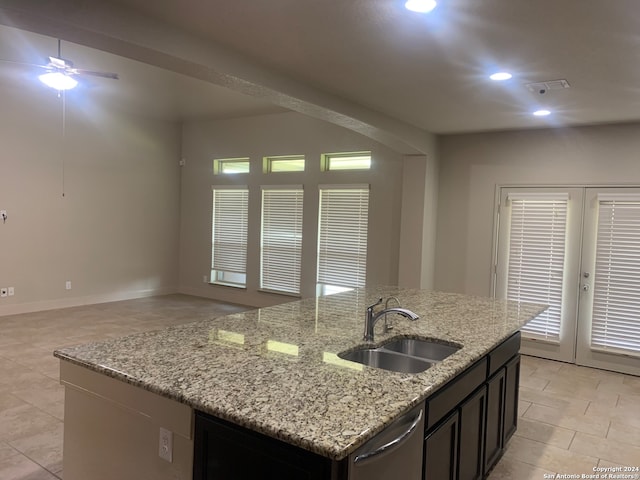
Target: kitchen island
{"type": "Point", "coordinates": [273, 371]}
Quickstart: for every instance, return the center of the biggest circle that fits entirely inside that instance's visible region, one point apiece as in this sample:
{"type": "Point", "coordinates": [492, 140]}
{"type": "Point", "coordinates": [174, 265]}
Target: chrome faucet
{"type": "Point", "coordinates": [371, 318]}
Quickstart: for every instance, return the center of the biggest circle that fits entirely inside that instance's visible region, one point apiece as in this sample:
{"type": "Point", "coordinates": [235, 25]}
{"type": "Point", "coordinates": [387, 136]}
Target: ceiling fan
{"type": "Point", "coordinates": [61, 72]}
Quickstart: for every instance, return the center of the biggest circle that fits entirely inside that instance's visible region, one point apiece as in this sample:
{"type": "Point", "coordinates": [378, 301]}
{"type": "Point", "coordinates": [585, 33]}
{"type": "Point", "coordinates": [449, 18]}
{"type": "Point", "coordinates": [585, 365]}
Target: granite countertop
{"type": "Point", "coordinates": [274, 369]}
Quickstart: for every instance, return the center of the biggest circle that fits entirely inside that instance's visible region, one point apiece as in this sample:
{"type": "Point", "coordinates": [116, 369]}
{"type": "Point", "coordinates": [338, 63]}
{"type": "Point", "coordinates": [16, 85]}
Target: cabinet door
{"type": "Point", "coordinates": [224, 451]}
{"type": "Point", "coordinates": [495, 419]}
{"type": "Point", "coordinates": [512, 381]}
{"type": "Point", "coordinates": [441, 451]}
{"type": "Point", "coordinates": [472, 420]}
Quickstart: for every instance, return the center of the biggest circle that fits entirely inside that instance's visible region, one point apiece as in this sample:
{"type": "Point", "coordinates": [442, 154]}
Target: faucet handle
{"type": "Point", "coordinates": [370, 308]}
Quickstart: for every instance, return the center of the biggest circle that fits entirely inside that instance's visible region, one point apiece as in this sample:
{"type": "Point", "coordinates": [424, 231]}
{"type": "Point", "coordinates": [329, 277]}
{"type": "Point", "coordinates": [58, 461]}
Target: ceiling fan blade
{"type": "Point", "coordinates": [24, 64]}
{"type": "Point", "coordinates": [80, 71]}
{"type": "Point", "coordinates": [61, 63]}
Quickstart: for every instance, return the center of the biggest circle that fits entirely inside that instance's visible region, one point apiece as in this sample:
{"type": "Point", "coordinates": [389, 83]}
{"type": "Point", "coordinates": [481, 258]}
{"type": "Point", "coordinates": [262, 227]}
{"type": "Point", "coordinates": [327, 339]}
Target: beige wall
{"type": "Point", "coordinates": [472, 165]}
{"type": "Point", "coordinates": [115, 233]}
{"type": "Point", "coordinates": [282, 134]}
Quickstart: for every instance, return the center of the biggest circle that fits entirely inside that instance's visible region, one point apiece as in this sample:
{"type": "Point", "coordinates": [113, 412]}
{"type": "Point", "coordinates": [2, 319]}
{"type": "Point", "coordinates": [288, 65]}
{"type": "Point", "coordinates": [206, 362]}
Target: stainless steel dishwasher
{"type": "Point", "coordinates": [396, 452]}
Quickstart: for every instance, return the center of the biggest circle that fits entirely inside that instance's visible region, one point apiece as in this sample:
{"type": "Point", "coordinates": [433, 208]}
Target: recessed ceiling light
{"type": "Point", "coordinates": [542, 113]}
{"type": "Point", "coordinates": [420, 6]}
{"type": "Point", "coordinates": [500, 76]}
{"type": "Point", "coordinates": [58, 80]}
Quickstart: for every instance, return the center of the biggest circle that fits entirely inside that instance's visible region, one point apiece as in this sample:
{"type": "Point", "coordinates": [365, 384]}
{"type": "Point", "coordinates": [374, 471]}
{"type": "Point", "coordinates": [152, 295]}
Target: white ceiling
{"type": "Point", "coordinates": [426, 71]}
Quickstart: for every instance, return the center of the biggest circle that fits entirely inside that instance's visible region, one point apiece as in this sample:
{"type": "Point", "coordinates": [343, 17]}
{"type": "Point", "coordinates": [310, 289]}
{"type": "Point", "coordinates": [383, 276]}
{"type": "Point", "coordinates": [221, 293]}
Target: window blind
{"type": "Point", "coordinates": [616, 288]}
{"type": "Point", "coordinates": [536, 258]}
{"type": "Point", "coordinates": [281, 239]}
{"type": "Point", "coordinates": [342, 236]}
{"type": "Point", "coordinates": [229, 230]}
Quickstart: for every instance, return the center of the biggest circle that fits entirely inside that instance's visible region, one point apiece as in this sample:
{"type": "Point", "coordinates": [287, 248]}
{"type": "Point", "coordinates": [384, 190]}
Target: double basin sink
{"type": "Point", "coordinates": [406, 355]}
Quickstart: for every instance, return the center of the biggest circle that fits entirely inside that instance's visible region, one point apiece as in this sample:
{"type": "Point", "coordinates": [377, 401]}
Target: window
{"type": "Point", "coordinates": [287, 163]}
{"type": "Point", "coordinates": [616, 302]}
{"type": "Point", "coordinates": [226, 166]}
{"type": "Point", "coordinates": [346, 161]}
{"type": "Point", "coordinates": [281, 239]}
{"type": "Point", "coordinates": [536, 258]}
{"type": "Point", "coordinates": [229, 236]}
{"type": "Point", "coordinates": [342, 237]}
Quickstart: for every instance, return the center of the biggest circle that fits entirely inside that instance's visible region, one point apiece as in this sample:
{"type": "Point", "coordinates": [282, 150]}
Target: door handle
{"type": "Point", "coordinates": [396, 441]}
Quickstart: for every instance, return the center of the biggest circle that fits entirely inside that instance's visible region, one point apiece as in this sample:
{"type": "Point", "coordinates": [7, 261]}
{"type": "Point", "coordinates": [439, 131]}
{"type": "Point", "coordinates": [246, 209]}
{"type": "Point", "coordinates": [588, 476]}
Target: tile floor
{"type": "Point", "coordinates": [572, 418]}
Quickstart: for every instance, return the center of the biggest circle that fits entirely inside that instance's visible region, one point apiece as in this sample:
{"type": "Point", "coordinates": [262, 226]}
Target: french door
{"type": "Point", "coordinates": [578, 251]}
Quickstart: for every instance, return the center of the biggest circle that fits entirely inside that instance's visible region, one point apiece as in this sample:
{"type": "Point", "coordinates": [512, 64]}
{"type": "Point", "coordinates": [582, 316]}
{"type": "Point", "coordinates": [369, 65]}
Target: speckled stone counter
{"type": "Point", "coordinates": [275, 370]}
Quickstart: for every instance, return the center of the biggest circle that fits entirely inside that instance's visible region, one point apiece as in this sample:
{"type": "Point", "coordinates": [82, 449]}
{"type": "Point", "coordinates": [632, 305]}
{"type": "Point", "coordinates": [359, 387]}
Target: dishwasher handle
{"type": "Point", "coordinates": [389, 445]}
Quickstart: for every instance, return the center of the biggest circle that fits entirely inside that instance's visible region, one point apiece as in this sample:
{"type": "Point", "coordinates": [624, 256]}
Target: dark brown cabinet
{"type": "Point", "coordinates": [495, 419]}
{"type": "Point", "coordinates": [441, 450]}
{"type": "Point", "coordinates": [224, 451]}
{"type": "Point", "coordinates": [481, 410]}
{"type": "Point", "coordinates": [472, 429]}
{"type": "Point", "coordinates": [512, 382]}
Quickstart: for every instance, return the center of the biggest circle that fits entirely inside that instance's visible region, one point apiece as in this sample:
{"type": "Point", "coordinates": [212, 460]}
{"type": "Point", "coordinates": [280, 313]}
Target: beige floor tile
{"type": "Point", "coordinates": [523, 407]}
{"type": "Point", "coordinates": [6, 452]}
{"type": "Point", "coordinates": [19, 467]}
{"type": "Point", "coordinates": [582, 423]}
{"type": "Point", "coordinates": [565, 403]}
{"type": "Point", "coordinates": [542, 363]}
{"type": "Point", "coordinates": [550, 458]}
{"type": "Point", "coordinates": [624, 412]}
{"type": "Point", "coordinates": [24, 421]}
{"type": "Point", "coordinates": [48, 396]}
{"type": "Point", "coordinates": [545, 433]}
{"type": "Point", "coordinates": [8, 401]}
{"type": "Point", "coordinates": [625, 432]}
{"type": "Point", "coordinates": [533, 382]}
{"type": "Point", "coordinates": [582, 392]}
{"type": "Point", "coordinates": [510, 469]}
{"type": "Point", "coordinates": [607, 464]}
{"type": "Point", "coordinates": [631, 380]}
{"type": "Point", "coordinates": [593, 373]}
{"type": "Point", "coordinates": [44, 448]}
{"type": "Point", "coordinates": [609, 449]}
{"type": "Point", "coordinates": [19, 377]}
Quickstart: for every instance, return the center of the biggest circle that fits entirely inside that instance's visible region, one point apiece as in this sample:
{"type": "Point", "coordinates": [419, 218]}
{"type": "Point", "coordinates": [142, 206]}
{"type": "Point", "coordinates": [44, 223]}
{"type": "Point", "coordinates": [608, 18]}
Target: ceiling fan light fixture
{"type": "Point", "coordinates": [420, 6]}
{"type": "Point", "coordinates": [542, 113]}
{"type": "Point", "coordinates": [500, 76]}
{"type": "Point", "coordinates": [58, 80]}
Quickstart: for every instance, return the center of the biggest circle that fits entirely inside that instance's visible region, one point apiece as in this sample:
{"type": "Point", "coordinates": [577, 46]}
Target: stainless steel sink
{"type": "Point", "coordinates": [405, 355]}
{"type": "Point", "coordinates": [387, 360]}
{"type": "Point", "coordinates": [432, 351]}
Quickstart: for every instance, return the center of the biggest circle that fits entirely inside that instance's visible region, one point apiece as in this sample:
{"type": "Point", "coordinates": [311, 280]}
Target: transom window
{"type": "Point", "coordinates": [346, 161]}
{"type": "Point", "coordinates": [227, 166]}
{"type": "Point", "coordinates": [285, 163]}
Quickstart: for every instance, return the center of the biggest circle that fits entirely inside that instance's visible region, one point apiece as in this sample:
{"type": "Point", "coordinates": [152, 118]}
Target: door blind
{"type": "Point", "coordinates": [536, 258]}
{"type": "Point", "coordinates": [616, 295]}
{"type": "Point", "coordinates": [229, 230]}
{"type": "Point", "coordinates": [281, 242]}
{"type": "Point", "coordinates": [342, 239]}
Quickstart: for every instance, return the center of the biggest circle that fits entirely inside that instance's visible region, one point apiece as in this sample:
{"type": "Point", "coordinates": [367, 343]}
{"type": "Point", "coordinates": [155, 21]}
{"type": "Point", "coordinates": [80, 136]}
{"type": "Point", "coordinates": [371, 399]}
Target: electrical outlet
{"type": "Point", "coordinates": [12, 291]}
{"type": "Point", "coordinates": [67, 285]}
{"type": "Point", "coordinates": [165, 445]}
{"type": "Point", "coordinates": [4, 292]}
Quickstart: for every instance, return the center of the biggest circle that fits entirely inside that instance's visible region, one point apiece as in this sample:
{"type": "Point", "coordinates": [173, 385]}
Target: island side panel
{"type": "Point", "coordinates": [112, 430]}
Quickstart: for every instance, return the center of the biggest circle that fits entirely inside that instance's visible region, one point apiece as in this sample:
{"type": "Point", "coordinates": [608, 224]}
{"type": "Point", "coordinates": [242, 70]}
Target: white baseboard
{"type": "Point", "coordinates": [18, 308]}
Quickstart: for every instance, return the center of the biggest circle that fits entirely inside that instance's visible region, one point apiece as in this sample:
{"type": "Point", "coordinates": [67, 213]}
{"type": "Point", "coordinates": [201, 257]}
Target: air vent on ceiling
{"type": "Point", "coordinates": [543, 87]}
